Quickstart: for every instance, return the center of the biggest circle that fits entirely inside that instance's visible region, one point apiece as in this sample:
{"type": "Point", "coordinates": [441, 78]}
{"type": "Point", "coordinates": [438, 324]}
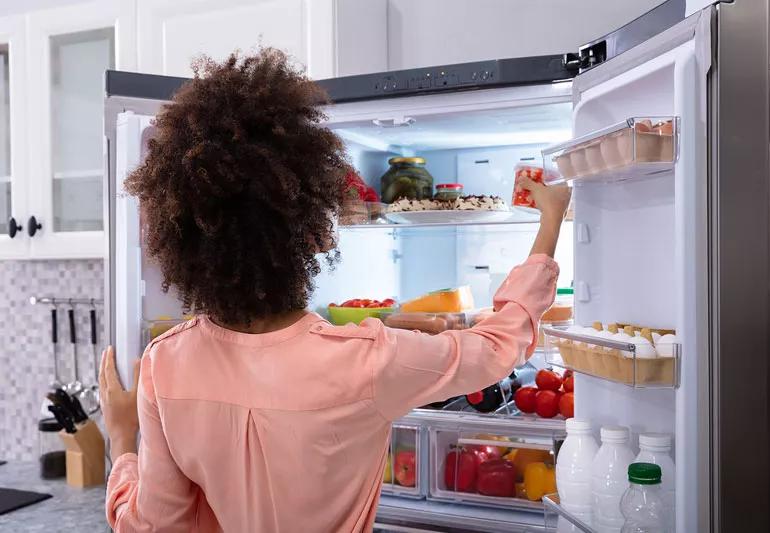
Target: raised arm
{"type": "Point", "coordinates": [413, 369]}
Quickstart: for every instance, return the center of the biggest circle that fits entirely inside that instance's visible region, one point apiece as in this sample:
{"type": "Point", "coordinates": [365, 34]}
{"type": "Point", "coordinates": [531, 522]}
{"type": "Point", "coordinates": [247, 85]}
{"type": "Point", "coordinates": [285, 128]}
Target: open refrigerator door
{"type": "Point", "coordinates": [638, 165]}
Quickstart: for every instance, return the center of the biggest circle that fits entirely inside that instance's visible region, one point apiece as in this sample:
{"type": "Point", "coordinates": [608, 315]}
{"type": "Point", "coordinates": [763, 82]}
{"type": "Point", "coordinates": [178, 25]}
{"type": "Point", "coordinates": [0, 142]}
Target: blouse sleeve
{"type": "Point", "coordinates": [148, 492]}
{"type": "Point", "coordinates": [414, 369]}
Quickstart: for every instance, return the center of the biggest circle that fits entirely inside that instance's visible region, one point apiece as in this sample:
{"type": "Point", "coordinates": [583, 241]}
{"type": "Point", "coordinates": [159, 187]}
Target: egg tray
{"type": "Point", "coordinates": [613, 365]}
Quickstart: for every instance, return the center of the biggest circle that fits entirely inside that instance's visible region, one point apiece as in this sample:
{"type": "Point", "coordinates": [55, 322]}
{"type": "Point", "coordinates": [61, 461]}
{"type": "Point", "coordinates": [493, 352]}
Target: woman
{"type": "Point", "coordinates": [257, 415]}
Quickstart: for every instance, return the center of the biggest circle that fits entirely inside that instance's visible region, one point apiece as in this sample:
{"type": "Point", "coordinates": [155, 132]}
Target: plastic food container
{"type": "Point", "coordinates": [448, 191]}
{"type": "Point", "coordinates": [494, 470]}
{"type": "Point", "coordinates": [406, 178]}
{"type": "Point", "coordinates": [562, 309]}
{"type": "Point", "coordinates": [630, 149]}
{"type": "Point", "coordinates": [403, 474]}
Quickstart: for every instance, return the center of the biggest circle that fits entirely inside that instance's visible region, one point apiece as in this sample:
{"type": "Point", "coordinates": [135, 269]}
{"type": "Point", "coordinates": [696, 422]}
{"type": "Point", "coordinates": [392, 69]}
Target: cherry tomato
{"type": "Point", "coordinates": [548, 380]}
{"type": "Point", "coordinates": [567, 405]}
{"type": "Point", "coordinates": [547, 403]}
{"type": "Point", "coordinates": [524, 398]}
{"type": "Point", "coordinates": [388, 302]}
{"type": "Point", "coordinates": [332, 304]}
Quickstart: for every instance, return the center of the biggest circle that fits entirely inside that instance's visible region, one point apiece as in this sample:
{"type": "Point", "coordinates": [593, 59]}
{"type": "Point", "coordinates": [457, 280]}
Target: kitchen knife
{"type": "Point", "coordinates": [70, 404]}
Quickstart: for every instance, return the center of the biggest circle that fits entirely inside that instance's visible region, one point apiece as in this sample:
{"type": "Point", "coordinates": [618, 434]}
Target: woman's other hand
{"type": "Point", "coordinates": [118, 405]}
{"type": "Point", "coordinates": [552, 200]}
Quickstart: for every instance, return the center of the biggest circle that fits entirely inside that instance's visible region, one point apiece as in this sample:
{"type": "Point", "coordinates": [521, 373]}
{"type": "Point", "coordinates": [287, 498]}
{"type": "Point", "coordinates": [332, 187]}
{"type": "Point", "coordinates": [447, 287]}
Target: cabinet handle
{"type": "Point", "coordinates": [33, 225]}
{"type": "Point", "coordinates": [13, 227]}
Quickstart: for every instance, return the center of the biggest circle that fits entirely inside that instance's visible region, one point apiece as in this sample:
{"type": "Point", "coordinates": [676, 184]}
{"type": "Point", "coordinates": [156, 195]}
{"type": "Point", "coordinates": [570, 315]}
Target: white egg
{"type": "Point", "coordinates": [655, 337]}
{"type": "Point", "coordinates": [644, 348]}
{"type": "Point", "coordinates": [665, 345]}
{"type": "Point", "coordinates": [622, 336]}
{"type": "Point", "coordinates": [604, 334]}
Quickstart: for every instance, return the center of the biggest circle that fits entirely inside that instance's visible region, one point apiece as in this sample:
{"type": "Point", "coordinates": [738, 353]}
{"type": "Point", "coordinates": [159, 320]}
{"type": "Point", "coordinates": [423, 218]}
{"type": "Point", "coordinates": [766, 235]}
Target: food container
{"type": "Point", "coordinates": [523, 198]}
{"type": "Point", "coordinates": [428, 322]}
{"type": "Point", "coordinates": [613, 360]}
{"type": "Point", "coordinates": [403, 475]}
{"type": "Point", "coordinates": [630, 149]}
{"type": "Point", "coordinates": [494, 468]}
{"type": "Point", "coordinates": [339, 316]}
{"type": "Point", "coordinates": [406, 178]}
{"type": "Point", "coordinates": [562, 308]}
{"type": "Point", "coordinates": [447, 192]}
{"type": "Point", "coordinates": [159, 326]}
{"type": "Point", "coordinates": [51, 449]}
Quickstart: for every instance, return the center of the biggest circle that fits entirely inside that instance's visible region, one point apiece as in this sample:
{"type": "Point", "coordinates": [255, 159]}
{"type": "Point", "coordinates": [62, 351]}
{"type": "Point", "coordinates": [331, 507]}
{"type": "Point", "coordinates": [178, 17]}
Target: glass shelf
{"type": "Point", "coordinates": [555, 515]}
{"type": "Point", "coordinates": [611, 360]}
{"type": "Point", "coordinates": [634, 148]}
{"type": "Point", "coordinates": [516, 218]}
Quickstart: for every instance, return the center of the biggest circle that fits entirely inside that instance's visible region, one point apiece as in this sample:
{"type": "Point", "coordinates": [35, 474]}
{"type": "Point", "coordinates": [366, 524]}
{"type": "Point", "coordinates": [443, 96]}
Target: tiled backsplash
{"type": "Point", "coordinates": [26, 353]}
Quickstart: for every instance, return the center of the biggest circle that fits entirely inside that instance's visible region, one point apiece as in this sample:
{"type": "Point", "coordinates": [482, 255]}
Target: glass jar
{"type": "Point", "coordinates": [406, 178]}
{"type": "Point", "coordinates": [53, 463]}
{"type": "Point", "coordinates": [449, 191]}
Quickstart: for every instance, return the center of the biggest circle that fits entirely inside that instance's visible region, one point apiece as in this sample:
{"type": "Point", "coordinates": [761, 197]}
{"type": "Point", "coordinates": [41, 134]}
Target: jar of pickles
{"type": "Point", "coordinates": [406, 178]}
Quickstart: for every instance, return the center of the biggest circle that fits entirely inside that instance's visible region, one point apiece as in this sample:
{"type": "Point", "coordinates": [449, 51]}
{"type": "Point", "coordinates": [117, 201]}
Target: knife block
{"type": "Point", "coordinates": [85, 455]}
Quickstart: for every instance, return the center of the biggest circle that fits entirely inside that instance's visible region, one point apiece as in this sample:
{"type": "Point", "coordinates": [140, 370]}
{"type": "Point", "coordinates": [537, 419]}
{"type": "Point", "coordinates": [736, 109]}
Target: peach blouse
{"type": "Point", "coordinates": [288, 431]}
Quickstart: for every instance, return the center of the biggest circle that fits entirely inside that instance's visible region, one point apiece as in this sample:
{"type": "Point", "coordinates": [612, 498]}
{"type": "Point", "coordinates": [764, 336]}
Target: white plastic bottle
{"type": "Point", "coordinates": [655, 448]}
{"type": "Point", "coordinates": [641, 505]}
{"type": "Point", "coordinates": [609, 479]}
{"type": "Point", "coordinates": [573, 468]}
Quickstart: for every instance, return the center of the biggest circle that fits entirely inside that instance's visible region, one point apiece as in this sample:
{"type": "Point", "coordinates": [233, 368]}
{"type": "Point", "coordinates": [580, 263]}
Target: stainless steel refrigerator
{"type": "Point", "coordinates": [679, 242]}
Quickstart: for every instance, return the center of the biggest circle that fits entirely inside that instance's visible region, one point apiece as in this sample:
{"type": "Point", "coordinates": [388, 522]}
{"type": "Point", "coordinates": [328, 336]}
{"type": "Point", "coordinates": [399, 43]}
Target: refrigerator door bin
{"type": "Point", "coordinates": [486, 466]}
{"type": "Point", "coordinates": [404, 472]}
{"type": "Point", "coordinates": [615, 360]}
{"type": "Point", "coordinates": [631, 149]}
{"type": "Point", "coordinates": [559, 519]}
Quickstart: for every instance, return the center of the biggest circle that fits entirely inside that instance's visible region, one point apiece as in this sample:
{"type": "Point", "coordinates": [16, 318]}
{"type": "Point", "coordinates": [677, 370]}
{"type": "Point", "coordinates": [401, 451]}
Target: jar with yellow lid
{"type": "Point", "coordinates": [406, 178]}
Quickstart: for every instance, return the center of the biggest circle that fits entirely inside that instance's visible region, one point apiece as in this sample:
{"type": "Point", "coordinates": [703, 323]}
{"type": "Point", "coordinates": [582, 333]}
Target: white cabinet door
{"type": "Point", "coordinates": [13, 174]}
{"type": "Point", "coordinates": [69, 49]}
{"type": "Point", "coordinates": [172, 33]}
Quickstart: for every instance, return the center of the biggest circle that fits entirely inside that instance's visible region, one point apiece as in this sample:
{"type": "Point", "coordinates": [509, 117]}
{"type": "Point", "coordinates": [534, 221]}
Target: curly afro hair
{"type": "Point", "coordinates": [240, 188]}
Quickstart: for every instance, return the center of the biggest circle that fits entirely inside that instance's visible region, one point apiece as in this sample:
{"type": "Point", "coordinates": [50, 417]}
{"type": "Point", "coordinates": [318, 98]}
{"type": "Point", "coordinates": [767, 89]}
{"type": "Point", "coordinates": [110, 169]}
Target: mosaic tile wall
{"type": "Point", "coordinates": [26, 353]}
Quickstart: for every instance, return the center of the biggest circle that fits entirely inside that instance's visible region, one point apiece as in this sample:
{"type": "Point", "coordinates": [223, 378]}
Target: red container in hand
{"type": "Point", "coordinates": [524, 198]}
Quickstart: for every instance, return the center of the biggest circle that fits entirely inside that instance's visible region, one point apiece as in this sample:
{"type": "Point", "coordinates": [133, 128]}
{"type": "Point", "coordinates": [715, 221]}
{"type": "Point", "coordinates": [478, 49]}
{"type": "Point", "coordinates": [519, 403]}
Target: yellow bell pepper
{"type": "Point", "coordinates": [387, 476]}
{"type": "Point", "coordinates": [539, 480]}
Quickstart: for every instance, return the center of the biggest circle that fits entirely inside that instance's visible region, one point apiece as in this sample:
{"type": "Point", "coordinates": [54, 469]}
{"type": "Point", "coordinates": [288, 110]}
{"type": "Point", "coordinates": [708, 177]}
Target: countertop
{"type": "Point", "coordinates": [69, 510]}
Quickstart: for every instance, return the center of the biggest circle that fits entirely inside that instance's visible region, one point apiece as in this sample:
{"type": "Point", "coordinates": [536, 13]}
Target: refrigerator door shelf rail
{"type": "Point", "coordinates": [635, 148]}
{"type": "Point", "coordinates": [611, 360]}
{"type": "Point", "coordinates": [555, 515]}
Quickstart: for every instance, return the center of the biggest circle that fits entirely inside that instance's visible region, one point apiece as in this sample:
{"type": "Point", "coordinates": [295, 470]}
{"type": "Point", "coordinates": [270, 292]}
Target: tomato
{"type": "Point", "coordinates": [525, 399]}
{"type": "Point", "coordinates": [547, 403]}
{"type": "Point", "coordinates": [548, 380]}
{"type": "Point", "coordinates": [567, 374]}
{"type": "Point", "coordinates": [567, 405]}
{"type": "Point", "coordinates": [569, 384]}
{"type": "Point", "coordinates": [375, 305]}
{"type": "Point", "coordinates": [332, 304]}
{"type": "Point", "coordinates": [388, 302]}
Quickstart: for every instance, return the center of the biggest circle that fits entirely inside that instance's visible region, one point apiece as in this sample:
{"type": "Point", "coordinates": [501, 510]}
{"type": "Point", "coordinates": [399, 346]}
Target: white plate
{"type": "Point", "coordinates": [448, 217]}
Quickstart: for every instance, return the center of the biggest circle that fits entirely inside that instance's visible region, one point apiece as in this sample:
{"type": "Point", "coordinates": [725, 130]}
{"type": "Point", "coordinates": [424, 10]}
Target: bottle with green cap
{"type": "Point", "coordinates": [642, 506]}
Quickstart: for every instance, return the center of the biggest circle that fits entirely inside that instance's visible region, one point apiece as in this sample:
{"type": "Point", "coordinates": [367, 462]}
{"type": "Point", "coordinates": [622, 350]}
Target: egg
{"type": "Point", "coordinates": [665, 345]}
{"type": "Point", "coordinates": [604, 334]}
{"type": "Point", "coordinates": [644, 348]}
{"type": "Point", "coordinates": [655, 337]}
{"type": "Point", "coordinates": [622, 336]}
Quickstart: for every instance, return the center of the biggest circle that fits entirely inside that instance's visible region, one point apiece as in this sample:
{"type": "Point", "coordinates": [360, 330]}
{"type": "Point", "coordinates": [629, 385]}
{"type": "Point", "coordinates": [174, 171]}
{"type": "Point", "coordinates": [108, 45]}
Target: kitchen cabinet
{"type": "Point", "coordinates": [13, 175]}
{"type": "Point", "coordinates": [173, 32]}
{"type": "Point", "coordinates": [68, 50]}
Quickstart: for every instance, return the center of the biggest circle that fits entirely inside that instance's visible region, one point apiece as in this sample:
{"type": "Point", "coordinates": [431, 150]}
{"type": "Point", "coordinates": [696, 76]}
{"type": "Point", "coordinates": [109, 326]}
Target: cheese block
{"type": "Point", "coordinates": [443, 301]}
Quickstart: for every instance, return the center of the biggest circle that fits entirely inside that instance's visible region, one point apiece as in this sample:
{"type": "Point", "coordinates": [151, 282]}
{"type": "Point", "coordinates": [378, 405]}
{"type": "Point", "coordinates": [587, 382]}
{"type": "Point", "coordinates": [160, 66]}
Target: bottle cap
{"type": "Point", "coordinates": [614, 434]}
{"type": "Point", "coordinates": [655, 440]}
{"type": "Point", "coordinates": [644, 473]}
{"type": "Point", "coordinates": [578, 425]}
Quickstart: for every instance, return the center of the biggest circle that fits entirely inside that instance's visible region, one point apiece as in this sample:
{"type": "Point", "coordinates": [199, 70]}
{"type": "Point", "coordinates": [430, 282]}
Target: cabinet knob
{"type": "Point", "coordinates": [33, 225]}
{"type": "Point", "coordinates": [13, 227]}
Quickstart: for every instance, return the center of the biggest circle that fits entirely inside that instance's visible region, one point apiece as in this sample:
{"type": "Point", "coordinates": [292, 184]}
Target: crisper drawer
{"type": "Point", "coordinates": [406, 470]}
{"type": "Point", "coordinates": [507, 468]}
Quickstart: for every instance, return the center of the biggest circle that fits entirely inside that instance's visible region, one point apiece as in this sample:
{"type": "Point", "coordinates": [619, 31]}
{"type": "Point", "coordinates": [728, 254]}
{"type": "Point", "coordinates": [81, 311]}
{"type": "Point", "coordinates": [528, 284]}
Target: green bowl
{"type": "Point", "coordinates": [339, 316]}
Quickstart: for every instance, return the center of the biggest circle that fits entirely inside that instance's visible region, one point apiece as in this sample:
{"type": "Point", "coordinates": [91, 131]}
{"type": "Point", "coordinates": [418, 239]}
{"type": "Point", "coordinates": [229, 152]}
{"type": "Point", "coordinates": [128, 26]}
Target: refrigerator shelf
{"type": "Point", "coordinates": [635, 148]}
{"type": "Point", "coordinates": [555, 515]}
{"type": "Point", "coordinates": [517, 217]}
{"type": "Point", "coordinates": [607, 359]}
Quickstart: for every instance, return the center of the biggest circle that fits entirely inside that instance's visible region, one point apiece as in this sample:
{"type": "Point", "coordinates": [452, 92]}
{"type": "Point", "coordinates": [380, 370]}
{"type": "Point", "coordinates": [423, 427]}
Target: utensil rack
{"type": "Point", "coordinates": [34, 300]}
